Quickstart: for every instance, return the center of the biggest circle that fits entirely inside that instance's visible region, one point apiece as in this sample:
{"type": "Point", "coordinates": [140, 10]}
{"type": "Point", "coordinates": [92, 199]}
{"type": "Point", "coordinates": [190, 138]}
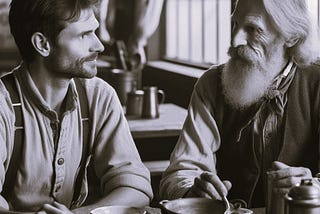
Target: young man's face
{"type": "Point", "coordinates": [76, 49]}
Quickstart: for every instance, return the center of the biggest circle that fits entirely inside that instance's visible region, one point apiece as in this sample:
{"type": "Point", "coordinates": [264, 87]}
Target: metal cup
{"type": "Point", "coordinates": [151, 101]}
{"type": "Point", "coordinates": [122, 81]}
{"type": "Point", "coordinates": [135, 103]}
{"type": "Point", "coordinates": [275, 202]}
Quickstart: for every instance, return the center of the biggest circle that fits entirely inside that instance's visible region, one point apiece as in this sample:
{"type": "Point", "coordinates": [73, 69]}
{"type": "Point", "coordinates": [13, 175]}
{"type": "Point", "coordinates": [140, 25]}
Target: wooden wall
{"type": "Point", "coordinates": [177, 87]}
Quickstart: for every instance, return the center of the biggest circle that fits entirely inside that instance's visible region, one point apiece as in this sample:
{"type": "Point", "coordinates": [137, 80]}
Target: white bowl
{"type": "Point", "coordinates": [118, 210]}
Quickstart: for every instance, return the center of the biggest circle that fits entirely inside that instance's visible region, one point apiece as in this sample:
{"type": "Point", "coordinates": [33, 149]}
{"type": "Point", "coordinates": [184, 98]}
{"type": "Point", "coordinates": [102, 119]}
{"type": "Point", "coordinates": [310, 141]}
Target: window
{"type": "Point", "coordinates": [314, 6]}
{"type": "Point", "coordinates": [198, 31]}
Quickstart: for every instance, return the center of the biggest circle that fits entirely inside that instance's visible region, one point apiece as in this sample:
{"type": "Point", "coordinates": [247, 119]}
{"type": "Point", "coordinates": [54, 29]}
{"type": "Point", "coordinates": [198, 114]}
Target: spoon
{"type": "Point", "coordinates": [226, 202]}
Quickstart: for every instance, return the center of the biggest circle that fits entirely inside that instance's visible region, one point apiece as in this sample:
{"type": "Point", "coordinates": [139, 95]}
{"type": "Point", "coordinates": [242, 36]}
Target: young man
{"type": "Point", "coordinates": [61, 150]}
{"type": "Point", "coordinates": [258, 112]}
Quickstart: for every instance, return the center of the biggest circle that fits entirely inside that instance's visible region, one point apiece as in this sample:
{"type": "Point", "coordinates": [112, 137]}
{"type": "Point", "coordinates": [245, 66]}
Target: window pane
{"type": "Point", "coordinates": [224, 30]}
{"type": "Point", "coordinates": [183, 29]}
{"type": "Point", "coordinates": [210, 31]}
{"type": "Point", "coordinates": [194, 30]}
{"type": "Point", "coordinates": [171, 31]}
{"type": "Point", "coordinates": [314, 7]}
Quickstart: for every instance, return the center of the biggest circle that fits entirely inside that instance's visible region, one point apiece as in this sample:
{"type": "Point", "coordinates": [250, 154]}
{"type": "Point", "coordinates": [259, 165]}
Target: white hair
{"type": "Point", "coordinates": [293, 21]}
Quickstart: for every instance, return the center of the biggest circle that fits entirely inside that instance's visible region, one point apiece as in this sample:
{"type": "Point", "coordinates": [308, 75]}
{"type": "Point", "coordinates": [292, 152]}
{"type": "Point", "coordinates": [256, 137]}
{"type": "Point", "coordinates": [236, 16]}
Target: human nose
{"type": "Point", "coordinates": [97, 45]}
{"type": "Point", "coordinates": [239, 38]}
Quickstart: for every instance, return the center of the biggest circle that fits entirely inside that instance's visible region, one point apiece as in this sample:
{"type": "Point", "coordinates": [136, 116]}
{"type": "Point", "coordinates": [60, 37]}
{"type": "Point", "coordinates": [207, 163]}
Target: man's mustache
{"type": "Point", "coordinates": [89, 58]}
{"type": "Point", "coordinates": [243, 52]}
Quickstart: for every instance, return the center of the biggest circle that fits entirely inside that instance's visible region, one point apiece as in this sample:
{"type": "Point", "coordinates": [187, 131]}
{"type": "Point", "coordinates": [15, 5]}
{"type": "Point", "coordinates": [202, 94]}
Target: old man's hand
{"type": "Point", "coordinates": [55, 208]}
{"type": "Point", "coordinates": [209, 185]}
{"type": "Point", "coordinates": [284, 177]}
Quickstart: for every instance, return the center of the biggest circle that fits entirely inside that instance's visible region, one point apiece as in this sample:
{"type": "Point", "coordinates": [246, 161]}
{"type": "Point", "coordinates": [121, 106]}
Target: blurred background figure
{"type": "Point", "coordinates": [131, 22]}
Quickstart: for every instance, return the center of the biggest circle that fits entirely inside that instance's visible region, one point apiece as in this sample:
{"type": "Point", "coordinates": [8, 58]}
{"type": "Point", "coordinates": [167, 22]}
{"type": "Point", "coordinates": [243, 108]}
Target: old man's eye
{"type": "Point", "coordinates": [250, 29]}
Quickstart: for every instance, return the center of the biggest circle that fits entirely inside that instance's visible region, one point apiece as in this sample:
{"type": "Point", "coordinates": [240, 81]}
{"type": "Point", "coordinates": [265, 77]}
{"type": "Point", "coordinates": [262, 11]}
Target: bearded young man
{"type": "Point", "coordinates": [69, 160]}
{"type": "Point", "coordinates": [257, 113]}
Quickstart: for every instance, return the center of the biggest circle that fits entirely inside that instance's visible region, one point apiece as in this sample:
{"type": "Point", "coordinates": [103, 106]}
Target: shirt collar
{"type": "Point", "coordinates": [31, 91]}
{"type": "Point", "coordinates": [287, 69]}
{"type": "Point", "coordinates": [281, 78]}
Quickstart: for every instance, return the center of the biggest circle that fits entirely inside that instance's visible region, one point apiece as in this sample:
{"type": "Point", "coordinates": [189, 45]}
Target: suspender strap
{"type": "Point", "coordinates": [11, 173]}
{"type": "Point", "coordinates": [85, 141]}
{"type": "Point", "coordinates": [84, 117]}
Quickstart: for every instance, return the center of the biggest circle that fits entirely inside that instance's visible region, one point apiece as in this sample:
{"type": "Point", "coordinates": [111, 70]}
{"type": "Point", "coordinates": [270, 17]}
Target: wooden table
{"type": "Point", "coordinates": [168, 124]}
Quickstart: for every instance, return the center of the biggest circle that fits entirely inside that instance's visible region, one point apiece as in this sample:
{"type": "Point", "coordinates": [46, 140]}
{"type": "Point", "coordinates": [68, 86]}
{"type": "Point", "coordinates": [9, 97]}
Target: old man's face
{"type": "Point", "coordinates": [257, 55]}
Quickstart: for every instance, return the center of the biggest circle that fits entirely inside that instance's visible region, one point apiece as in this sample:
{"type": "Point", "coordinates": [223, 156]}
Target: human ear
{"type": "Point", "coordinates": [40, 44]}
{"type": "Point", "coordinates": [291, 42]}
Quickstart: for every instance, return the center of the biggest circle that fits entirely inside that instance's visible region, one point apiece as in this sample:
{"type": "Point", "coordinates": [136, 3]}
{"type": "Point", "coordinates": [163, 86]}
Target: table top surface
{"type": "Point", "coordinates": [168, 124]}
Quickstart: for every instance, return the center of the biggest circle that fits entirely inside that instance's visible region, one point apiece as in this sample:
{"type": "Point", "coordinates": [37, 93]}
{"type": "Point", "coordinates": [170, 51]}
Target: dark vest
{"type": "Point", "coordinates": [236, 158]}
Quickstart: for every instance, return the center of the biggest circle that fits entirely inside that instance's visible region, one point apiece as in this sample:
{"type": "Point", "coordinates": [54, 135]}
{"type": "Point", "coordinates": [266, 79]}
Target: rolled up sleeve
{"type": "Point", "coordinates": [194, 151]}
{"type": "Point", "coordinates": [116, 159]}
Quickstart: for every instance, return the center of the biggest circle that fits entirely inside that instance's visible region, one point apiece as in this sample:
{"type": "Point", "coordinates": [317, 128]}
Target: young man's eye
{"type": "Point", "coordinates": [86, 34]}
{"type": "Point", "coordinates": [83, 36]}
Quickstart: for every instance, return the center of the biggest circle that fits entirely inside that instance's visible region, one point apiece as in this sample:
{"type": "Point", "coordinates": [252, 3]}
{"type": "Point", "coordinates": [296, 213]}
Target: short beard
{"type": "Point", "coordinates": [69, 69]}
{"type": "Point", "coordinates": [245, 82]}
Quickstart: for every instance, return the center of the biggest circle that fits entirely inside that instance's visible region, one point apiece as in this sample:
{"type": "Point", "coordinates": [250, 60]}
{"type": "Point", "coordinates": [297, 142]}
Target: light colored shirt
{"type": "Point", "coordinates": [48, 169]}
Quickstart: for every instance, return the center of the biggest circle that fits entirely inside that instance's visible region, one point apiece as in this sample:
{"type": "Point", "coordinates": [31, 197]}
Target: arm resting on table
{"type": "Point", "coordinates": [121, 196]}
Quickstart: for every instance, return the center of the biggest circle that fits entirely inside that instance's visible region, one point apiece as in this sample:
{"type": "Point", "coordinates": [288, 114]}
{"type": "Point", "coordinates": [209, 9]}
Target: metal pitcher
{"type": "Point", "coordinates": [151, 98]}
{"type": "Point", "coordinates": [303, 198]}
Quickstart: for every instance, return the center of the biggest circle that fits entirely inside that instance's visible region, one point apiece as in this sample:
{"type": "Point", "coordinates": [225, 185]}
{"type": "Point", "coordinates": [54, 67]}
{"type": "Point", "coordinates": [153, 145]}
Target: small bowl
{"type": "Point", "coordinates": [201, 206]}
{"type": "Point", "coordinates": [118, 210]}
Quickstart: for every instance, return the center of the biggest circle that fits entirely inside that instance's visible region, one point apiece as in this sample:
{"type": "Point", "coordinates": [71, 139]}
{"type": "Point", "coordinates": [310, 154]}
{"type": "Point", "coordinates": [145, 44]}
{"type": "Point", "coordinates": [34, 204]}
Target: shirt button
{"type": "Point", "coordinates": [60, 161]}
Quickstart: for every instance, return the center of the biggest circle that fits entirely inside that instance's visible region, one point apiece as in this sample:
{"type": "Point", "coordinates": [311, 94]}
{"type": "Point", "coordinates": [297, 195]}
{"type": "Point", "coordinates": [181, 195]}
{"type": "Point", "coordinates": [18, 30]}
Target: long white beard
{"type": "Point", "coordinates": [244, 83]}
{"type": "Point", "coordinates": [250, 72]}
